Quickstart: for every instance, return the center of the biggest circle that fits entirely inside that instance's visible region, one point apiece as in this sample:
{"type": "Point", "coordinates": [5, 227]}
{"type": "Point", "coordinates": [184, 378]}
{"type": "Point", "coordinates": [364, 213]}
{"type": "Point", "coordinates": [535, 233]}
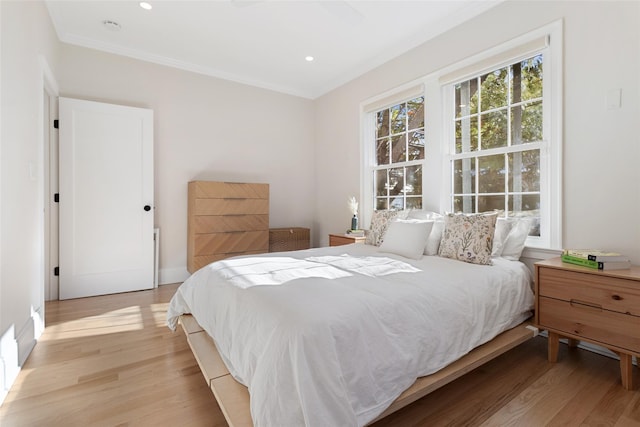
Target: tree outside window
{"type": "Point", "coordinates": [399, 155]}
{"type": "Point", "coordinates": [498, 133]}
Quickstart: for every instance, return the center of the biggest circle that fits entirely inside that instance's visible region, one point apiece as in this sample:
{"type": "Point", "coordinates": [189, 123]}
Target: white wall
{"type": "Point", "coordinates": [27, 37]}
{"type": "Point", "coordinates": [601, 147]}
{"type": "Point", "coordinates": [205, 129]}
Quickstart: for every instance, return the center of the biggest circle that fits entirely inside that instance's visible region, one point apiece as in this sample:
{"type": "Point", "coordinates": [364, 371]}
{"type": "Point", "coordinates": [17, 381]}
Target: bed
{"type": "Point", "coordinates": [345, 335]}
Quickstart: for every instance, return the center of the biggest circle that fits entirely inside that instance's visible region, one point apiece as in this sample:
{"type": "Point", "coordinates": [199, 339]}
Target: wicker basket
{"type": "Point", "coordinates": [288, 239]}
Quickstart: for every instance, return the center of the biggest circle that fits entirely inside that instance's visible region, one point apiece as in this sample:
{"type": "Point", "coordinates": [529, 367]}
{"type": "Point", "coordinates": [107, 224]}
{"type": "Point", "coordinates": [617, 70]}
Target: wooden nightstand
{"type": "Point", "coordinates": [584, 304]}
{"type": "Point", "coordinates": [343, 239]}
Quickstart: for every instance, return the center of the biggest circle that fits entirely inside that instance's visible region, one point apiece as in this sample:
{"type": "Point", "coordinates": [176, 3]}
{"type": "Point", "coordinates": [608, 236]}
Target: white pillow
{"type": "Point", "coordinates": [503, 227]}
{"type": "Point", "coordinates": [514, 243]}
{"type": "Point", "coordinates": [406, 238]}
{"type": "Point", "coordinates": [433, 241]}
{"type": "Point", "coordinates": [379, 222]}
{"type": "Point", "coordinates": [423, 215]}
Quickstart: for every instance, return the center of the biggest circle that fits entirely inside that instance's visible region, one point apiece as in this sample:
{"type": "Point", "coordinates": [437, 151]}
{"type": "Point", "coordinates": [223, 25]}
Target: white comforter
{"type": "Point", "coordinates": [332, 336]}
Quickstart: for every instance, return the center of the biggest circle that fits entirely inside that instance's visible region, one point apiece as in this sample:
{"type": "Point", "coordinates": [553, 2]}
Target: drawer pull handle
{"type": "Point", "coordinates": [616, 297]}
{"type": "Point", "coordinates": [583, 304]}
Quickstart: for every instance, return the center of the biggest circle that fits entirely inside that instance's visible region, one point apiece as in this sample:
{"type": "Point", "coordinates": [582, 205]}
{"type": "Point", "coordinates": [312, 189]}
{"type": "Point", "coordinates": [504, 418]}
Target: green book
{"type": "Point", "coordinates": [579, 261]}
{"type": "Point", "coordinates": [596, 255]}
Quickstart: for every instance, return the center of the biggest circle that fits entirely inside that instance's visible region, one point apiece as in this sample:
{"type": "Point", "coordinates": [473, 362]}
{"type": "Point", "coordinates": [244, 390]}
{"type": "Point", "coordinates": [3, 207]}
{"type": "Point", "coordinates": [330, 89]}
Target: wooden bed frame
{"type": "Point", "coordinates": [233, 397]}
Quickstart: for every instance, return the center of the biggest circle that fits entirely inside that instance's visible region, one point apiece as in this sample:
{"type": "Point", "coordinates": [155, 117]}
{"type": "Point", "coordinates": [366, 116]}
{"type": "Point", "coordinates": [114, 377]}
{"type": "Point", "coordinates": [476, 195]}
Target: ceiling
{"type": "Point", "coordinates": [262, 42]}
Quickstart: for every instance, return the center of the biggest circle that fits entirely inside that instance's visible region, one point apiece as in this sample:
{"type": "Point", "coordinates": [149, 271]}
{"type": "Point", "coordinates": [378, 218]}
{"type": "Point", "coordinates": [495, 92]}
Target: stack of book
{"type": "Point", "coordinates": [355, 233]}
{"type": "Point", "coordinates": [595, 258]}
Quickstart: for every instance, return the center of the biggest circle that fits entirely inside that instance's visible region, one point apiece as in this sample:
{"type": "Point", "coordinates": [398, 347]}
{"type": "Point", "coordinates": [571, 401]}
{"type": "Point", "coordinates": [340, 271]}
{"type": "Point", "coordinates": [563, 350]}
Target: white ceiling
{"type": "Point", "coordinates": [263, 42]}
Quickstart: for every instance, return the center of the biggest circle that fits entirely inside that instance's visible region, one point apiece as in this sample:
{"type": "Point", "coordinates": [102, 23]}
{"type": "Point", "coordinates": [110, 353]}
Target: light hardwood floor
{"type": "Point", "coordinates": [111, 361]}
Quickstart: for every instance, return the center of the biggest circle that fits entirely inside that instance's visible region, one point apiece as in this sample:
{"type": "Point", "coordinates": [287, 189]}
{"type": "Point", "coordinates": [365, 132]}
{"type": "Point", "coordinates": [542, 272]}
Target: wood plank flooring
{"type": "Point", "coordinates": [111, 361]}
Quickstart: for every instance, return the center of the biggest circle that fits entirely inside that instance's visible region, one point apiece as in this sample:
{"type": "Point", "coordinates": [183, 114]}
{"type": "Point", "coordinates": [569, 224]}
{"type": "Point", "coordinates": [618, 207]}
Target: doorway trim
{"type": "Point", "coordinates": [49, 182]}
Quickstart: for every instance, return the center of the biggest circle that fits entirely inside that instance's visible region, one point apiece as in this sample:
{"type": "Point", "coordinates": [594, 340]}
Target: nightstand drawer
{"type": "Point", "coordinates": [610, 293]}
{"type": "Point", "coordinates": [590, 322]}
{"type": "Point", "coordinates": [339, 239]}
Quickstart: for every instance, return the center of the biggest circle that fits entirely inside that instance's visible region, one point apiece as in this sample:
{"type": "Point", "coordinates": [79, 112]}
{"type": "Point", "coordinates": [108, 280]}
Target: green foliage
{"type": "Point", "coordinates": [399, 139]}
{"type": "Point", "coordinates": [499, 109]}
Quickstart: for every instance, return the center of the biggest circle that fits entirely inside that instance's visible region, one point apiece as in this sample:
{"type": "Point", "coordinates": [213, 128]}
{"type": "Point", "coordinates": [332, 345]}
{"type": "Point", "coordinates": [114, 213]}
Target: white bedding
{"type": "Point", "coordinates": [339, 345]}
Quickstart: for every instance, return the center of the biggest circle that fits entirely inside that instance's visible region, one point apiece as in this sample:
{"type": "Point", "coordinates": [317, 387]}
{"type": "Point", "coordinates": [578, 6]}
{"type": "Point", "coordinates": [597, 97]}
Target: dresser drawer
{"type": "Point", "coordinates": [591, 323]}
{"type": "Point", "coordinates": [610, 293]}
{"type": "Point", "coordinates": [231, 244]}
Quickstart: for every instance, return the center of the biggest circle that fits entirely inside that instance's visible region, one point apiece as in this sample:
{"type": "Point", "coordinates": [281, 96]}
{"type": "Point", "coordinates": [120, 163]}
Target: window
{"type": "Point", "coordinates": [493, 140]}
{"type": "Point", "coordinates": [498, 122]}
{"type": "Point", "coordinates": [502, 136]}
{"type": "Point", "coordinates": [399, 154]}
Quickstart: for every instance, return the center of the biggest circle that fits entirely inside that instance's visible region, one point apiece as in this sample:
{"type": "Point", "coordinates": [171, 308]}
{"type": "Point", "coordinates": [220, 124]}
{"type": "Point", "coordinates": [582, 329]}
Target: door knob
{"type": "Point", "coordinates": [147, 208]}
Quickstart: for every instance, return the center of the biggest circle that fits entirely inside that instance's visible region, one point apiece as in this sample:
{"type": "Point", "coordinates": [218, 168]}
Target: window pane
{"type": "Point", "coordinates": [396, 181]}
{"type": "Point", "coordinates": [519, 203]}
{"type": "Point", "coordinates": [397, 203]}
{"type": "Point", "coordinates": [494, 89]}
{"type": "Point", "coordinates": [535, 220]}
{"type": "Point", "coordinates": [413, 180]}
{"type": "Point", "coordinates": [414, 203]}
{"type": "Point", "coordinates": [398, 118]}
{"type": "Point", "coordinates": [492, 174]}
{"type": "Point", "coordinates": [526, 205]}
{"type": "Point", "coordinates": [467, 135]}
{"type": "Point", "coordinates": [524, 170]}
{"type": "Point", "coordinates": [493, 128]}
{"type": "Point", "coordinates": [382, 151]}
{"type": "Point", "coordinates": [382, 119]}
{"type": "Point", "coordinates": [464, 204]}
{"type": "Point", "coordinates": [526, 123]}
{"type": "Point", "coordinates": [416, 145]}
{"type": "Point", "coordinates": [400, 139]}
{"type": "Point", "coordinates": [490, 203]}
{"type": "Point", "coordinates": [527, 79]}
{"type": "Point", "coordinates": [466, 94]}
{"type": "Point", "coordinates": [464, 172]}
{"type": "Point", "coordinates": [382, 203]}
{"type": "Point", "coordinates": [399, 148]}
{"type": "Point", "coordinates": [415, 111]}
{"type": "Point", "coordinates": [381, 182]}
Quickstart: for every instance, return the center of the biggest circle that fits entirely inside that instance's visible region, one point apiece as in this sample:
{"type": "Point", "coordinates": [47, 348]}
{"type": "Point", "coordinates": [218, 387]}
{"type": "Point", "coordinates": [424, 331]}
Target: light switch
{"type": "Point", "coordinates": [614, 99]}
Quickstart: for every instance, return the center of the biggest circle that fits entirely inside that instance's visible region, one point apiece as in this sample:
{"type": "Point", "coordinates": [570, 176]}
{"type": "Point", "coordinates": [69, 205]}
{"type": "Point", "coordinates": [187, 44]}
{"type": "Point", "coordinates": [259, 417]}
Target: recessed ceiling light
{"type": "Point", "coordinates": [308, 58]}
{"type": "Point", "coordinates": [145, 5]}
{"type": "Point", "coordinates": [111, 25]}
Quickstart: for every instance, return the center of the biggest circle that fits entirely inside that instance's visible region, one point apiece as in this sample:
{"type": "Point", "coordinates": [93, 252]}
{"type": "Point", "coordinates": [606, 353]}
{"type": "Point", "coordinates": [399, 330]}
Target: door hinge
{"type": "Point", "coordinates": [56, 124]}
{"type": "Point", "coordinates": [56, 271]}
{"type": "Point", "coordinates": [56, 198]}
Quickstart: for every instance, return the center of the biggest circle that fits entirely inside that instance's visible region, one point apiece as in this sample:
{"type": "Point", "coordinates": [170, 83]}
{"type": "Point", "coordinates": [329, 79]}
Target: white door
{"type": "Point", "coordinates": [106, 198]}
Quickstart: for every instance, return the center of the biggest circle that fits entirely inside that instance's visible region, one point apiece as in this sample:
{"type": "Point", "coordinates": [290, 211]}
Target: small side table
{"type": "Point", "coordinates": [344, 239]}
{"type": "Point", "coordinates": [585, 304]}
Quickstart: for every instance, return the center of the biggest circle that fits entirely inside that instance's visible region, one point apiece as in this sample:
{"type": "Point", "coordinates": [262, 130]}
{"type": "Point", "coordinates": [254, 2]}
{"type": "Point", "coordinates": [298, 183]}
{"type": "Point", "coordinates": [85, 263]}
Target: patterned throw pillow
{"type": "Point", "coordinates": [468, 237]}
{"type": "Point", "coordinates": [379, 224]}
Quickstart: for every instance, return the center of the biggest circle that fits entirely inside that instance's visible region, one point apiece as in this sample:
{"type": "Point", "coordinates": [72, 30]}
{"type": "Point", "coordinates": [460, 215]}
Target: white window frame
{"type": "Point", "coordinates": [551, 145]}
{"type": "Point", "coordinates": [368, 137]}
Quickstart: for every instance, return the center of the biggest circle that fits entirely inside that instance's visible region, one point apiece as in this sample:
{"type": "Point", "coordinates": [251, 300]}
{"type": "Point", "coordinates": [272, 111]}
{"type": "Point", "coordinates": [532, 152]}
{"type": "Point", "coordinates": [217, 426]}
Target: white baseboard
{"type": "Point", "coordinates": [172, 275]}
{"type": "Point", "coordinates": [8, 361]}
{"type": "Point", "coordinates": [4, 390]}
{"type": "Point", "coordinates": [16, 348]}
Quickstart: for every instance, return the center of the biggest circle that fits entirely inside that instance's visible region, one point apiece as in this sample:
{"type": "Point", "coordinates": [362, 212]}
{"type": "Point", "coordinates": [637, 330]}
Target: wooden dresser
{"type": "Point", "coordinates": [585, 304]}
{"type": "Point", "coordinates": [226, 219]}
